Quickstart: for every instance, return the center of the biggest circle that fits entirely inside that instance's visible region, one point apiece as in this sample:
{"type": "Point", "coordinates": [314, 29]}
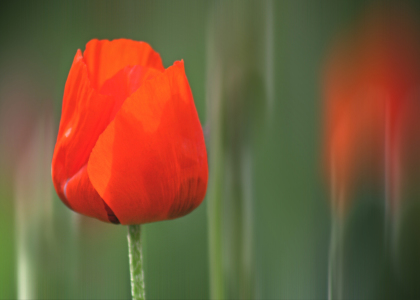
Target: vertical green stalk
{"type": "Point", "coordinates": [33, 204]}
{"type": "Point", "coordinates": [214, 139]}
{"type": "Point", "coordinates": [388, 178]}
{"type": "Point", "coordinates": [336, 252]}
{"type": "Point", "coordinates": [336, 260]}
{"type": "Point", "coordinates": [214, 198]}
{"type": "Point", "coordinates": [215, 245]}
{"type": "Point", "coordinates": [136, 262]}
{"type": "Point", "coordinates": [238, 65]}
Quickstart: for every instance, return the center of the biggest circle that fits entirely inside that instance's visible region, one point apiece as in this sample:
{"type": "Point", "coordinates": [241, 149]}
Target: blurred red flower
{"type": "Point", "coordinates": [371, 92]}
{"type": "Point", "coordinates": [130, 147]}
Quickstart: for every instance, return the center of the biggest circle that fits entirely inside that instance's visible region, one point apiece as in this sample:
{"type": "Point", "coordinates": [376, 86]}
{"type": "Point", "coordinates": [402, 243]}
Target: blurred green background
{"type": "Point", "coordinates": [80, 258]}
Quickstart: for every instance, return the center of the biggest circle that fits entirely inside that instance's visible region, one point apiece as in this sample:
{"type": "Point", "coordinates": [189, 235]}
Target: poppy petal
{"type": "Point", "coordinates": [78, 132]}
{"type": "Point", "coordinates": [150, 163]}
{"type": "Point", "coordinates": [84, 199]}
{"type": "Point", "coordinates": [85, 115]}
{"type": "Point", "coordinates": [124, 83]}
{"type": "Point", "coordinates": [105, 58]}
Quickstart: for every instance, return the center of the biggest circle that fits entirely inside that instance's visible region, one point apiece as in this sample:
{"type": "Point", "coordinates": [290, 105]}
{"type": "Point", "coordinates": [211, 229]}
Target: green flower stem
{"type": "Point", "coordinates": [215, 245]}
{"type": "Point", "coordinates": [336, 260]}
{"type": "Point", "coordinates": [136, 262]}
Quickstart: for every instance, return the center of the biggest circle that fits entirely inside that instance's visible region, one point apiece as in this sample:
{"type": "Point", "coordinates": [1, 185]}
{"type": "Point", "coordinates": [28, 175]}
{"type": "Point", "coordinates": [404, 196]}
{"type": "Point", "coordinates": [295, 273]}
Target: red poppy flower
{"type": "Point", "coordinates": [372, 100]}
{"type": "Point", "coordinates": [130, 147]}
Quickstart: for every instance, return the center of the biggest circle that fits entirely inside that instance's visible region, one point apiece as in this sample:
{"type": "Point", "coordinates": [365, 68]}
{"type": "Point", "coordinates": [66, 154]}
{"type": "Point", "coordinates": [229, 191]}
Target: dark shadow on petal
{"type": "Point", "coordinates": [111, 216]}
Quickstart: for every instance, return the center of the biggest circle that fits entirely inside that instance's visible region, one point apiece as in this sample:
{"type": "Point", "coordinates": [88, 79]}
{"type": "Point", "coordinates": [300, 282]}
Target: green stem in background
{"type": "Point", "coordinates": [215, 191]}
{"type": "Point", "coordinates": [215, 245]}
{"type": "Point", "coordinates": [136, 262]}
{"type": "Point", "coordinates": [336, 259]}
{"type": "Point", "coordinates": [336, 252]}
